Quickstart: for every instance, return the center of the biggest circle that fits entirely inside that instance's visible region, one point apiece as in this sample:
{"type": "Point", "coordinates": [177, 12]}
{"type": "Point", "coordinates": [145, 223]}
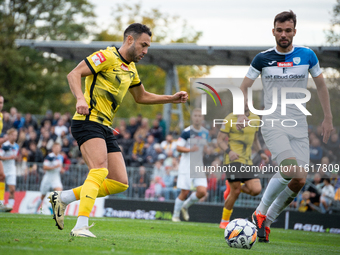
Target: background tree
{"type": "Point", "coordinates": [34, 81]}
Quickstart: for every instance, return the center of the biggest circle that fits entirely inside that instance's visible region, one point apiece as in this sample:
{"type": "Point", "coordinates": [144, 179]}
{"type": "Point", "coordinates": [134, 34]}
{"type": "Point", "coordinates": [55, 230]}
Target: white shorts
{"type": "Point", "coordinates": [284, 144]}
{"type": "Point", "coordinates": [185, 182]}
{"type": "Point", "coordinates": [49, 183]}
{"type": "Point", "coordinates": [11, 179]}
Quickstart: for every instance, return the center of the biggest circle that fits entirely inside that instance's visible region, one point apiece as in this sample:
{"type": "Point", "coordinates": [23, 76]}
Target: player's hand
{"type": "Point", "coordinates": [327, 127]}
{"type": "Point", "coordinates": [82, 107]}
{"type": "Point", "coordinates": [264, 157]}
{"type": "Point", "coordinates": [242, 122]}
{"type": "Point", "coordinates": [194, 148]}
{"type": "Point", "coordinates": [180, 97]}
{"type": "Point", "coordinates": [233, 155]}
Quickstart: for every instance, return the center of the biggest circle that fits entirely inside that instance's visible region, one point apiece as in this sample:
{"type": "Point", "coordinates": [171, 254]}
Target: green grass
{"type": "Point", "coordinates": [36, 234]}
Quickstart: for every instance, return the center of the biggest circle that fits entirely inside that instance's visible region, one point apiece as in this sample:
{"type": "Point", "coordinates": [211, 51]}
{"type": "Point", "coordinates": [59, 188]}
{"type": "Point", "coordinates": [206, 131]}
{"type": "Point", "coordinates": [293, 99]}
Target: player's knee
{"type": "Point", "coordinates": [235, 191]}
{"type": "Point", "coordinates": [255, 191]}
{"type": "Point", "coordinates": [201, 194]}
{"type": "Point", "coordinates": [2, 177]}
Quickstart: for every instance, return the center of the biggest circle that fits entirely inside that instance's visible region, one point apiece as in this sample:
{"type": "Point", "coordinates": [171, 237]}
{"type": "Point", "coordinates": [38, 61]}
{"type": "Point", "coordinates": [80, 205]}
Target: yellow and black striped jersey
{"type": "Point", "coordinates": [1, 122]}
{"type": "Point", "coordinates": [105, 89]}
{"type": "Point", "coordinates": [240, 141]}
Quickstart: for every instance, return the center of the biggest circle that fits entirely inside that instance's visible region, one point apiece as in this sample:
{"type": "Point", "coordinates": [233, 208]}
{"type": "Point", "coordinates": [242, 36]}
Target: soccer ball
{"type": "Point", "coordinates": [240, 233]}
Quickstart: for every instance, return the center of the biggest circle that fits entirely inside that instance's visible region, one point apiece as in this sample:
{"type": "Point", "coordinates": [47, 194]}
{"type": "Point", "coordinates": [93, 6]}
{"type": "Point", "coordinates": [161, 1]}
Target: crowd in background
{"type": "Point", "coordinates": [147, 146]}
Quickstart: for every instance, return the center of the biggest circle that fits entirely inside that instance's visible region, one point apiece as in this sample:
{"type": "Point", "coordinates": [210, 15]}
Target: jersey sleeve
{"type": "Point", "coordinates": [314, 66]}
{"type": "Point", "coordinates": [255, 68]}
{"type": "Point", "coordinates": [183, 138]}
{"type": "Point", "coordinates": [136, 80]}
{"type": "Point", "coordinates": [99, 60]}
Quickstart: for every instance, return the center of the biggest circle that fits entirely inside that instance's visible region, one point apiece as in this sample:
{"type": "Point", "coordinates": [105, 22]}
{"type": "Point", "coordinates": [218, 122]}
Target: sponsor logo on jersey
{"type": "Point", "coordinates": [124, 67]}
{"type": "Point", "coordinates": [297, 60]}
{"type": "Point", "coordinates": [284, 64]}
{"type": "Point", "coordinates": [98, 58]}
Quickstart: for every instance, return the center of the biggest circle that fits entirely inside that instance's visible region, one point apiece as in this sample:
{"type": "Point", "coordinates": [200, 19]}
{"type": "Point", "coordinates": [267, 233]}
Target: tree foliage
{"type": "Point", "coordinates": [34, 81]}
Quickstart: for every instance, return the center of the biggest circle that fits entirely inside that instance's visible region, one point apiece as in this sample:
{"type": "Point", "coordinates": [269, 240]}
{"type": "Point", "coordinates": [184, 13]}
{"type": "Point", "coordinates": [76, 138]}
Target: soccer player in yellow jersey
{"type": "Point", "coordinates": [3, 139]}
{"type": "Point", "coordinates": [237, 145]}
{"type": "Point", "coordinates": [109, 75]}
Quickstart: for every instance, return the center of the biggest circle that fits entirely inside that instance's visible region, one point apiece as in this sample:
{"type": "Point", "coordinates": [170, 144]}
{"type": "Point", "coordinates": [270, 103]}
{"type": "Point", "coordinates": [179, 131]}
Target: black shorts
{"type": "Point", "coordinates": [234, 173]}
{"type": "Point", "coordinates": [83, 130]}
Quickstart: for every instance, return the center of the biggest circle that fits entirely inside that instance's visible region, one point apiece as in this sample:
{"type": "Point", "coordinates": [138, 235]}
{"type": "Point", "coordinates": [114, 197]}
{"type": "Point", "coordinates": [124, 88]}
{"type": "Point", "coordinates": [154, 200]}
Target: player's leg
{"type": "Point", "coordinates": [179, 201]}
{"type": "Point", "coordinates": [235, 190]}
{"type": "Point", "coordinates": [201, 191]}
{"type": "Point", "coordinates": [252, 187]}
{"type": "Point", "coordinates": [11, 181]}
{"type": "Point", "coordinates": [298, 175]}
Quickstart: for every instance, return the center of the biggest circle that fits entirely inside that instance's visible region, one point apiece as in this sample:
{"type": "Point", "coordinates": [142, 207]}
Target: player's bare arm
{"type": "Point", "coordinates": [142, 96]}
{"type": "Point", "coordinates": [246, 83]}
{"type": "Point", "coordinates": [327, 124]}
{"type": "Point", "coordinates": [222, 143]}
{"type": "Point", "coordinates": [74, 80]}
{"type": "Point", "coordinates": [257, 147]}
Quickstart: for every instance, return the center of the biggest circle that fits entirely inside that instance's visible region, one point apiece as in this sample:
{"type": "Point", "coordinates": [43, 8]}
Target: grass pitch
{"type": "Point", "coordinates": [36, 234]}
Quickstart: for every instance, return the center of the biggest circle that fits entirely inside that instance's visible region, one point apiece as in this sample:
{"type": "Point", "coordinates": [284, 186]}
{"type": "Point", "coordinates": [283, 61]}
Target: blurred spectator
{"type": "Point", "coordinates": [74, 152]}
{"type": "Point", "coordinates": [327, 196]}
{"type": "Point", "coordinates": [132, 127]}
{"type": "Point", "coordinates": [13, 113]}
{"type": "Point", "coordinates": [169, 191]}
{"type": "Point", "coordinates": [60, 127]}
{"type": "Point", "coordinates": [121, 129]}
{"type": "Point", "coordinates": [56, 117]}
{"type": "Point", "coordinates": [140, 182]}
{"type": "Point", "coordinates": [316, 151]}
{"type": "Point", "coordinates": [209, 156]}
{"type": "Point", "coordinates": [139, 119]}
{"type": "Point", "coordinates": [21, 137]}
{"type": "Point", "coordinates": [155, 189]}
{"type": "Point", "coordinates": [156, 131]}
{"type": "Point", "coordinates": [126, 142]}
{"type": "Point", "coordinates": [66, 146]}
{"type": "Point", "coordinates": [315, 189]}
{"type": "Point", "coordinates": [143, 129]}
{"type": "Point", "coordinates": [162, 123]}
{"type": "Point", "coordinates": [7, 123]}
{"type": "Point", "coordinates": [150, 152]}
{"type": "Point", "coordinates": [333, 146]}
{"type": "Point", "coordinates": [169, 144]}
{"type": "Point", "coordinates": [31, 137]}
{"type": "Point", "coordinates": [34, 154]}
{"type": "Point", "coordinates": [45, 140]}
{"type": "Point", "coordinates": [48, 117]}
{"type": "Point", "coordinates": [137, 152]}
{"type": "Point", "coordinates": [19, 121]}
{"type": "Point", "coordinates": [158, 169]}
{"type": "Point", "coordinates": [305, 203]}
{"type": "Point", "coordinates": [30, 121]}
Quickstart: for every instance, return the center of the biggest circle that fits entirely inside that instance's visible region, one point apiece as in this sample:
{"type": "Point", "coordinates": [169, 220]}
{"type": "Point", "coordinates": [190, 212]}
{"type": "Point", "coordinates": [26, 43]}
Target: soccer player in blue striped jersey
{"type": "Point", "coordinates": [284, 67]}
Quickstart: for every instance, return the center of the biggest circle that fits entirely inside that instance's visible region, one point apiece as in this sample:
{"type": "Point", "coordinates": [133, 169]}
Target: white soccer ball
{"type": "Point", "coordinates": [240, 233]}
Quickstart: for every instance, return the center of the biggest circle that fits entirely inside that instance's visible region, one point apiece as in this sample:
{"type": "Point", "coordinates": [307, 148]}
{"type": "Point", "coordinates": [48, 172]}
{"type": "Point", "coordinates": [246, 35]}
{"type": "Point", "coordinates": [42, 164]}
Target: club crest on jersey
{"type": "Point", "coordinates": [124, 67]}
{"type": "Point", "coordinates": [284, 64]}
{"type": "Point", "coordinates": [98, 58]}
{"type": "Point", "coordinates": [297, 60]}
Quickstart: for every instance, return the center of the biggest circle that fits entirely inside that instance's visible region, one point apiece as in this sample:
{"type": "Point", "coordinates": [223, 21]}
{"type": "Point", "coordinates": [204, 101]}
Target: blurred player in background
{"type": "Point", "coordinates": [109, 73]}
{"type": "Point", "coordinates": [8, 154]}
{"type": "Point", "coordinates": [191, 144]}
{"type": "Point", "coordinates": [237, 145]}
{"type": "Point", "coordinates": [53, 166]}
{"type": "Point", "coordinates": [3, 139]}
{"type": "Point", "coordinates": [285, 66]}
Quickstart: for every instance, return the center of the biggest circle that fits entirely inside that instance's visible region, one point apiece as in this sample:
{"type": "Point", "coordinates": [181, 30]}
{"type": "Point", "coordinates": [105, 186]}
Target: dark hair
{"type": "Point", "coordinates": [135, 30]}
{"type": "Point", "coordinates": [327, 179]}
{"type": "Point", "coordinates": [284, 16]}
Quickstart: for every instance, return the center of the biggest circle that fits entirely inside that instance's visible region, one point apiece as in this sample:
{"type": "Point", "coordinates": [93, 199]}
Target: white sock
{"type": "Point", "coordinates": [67, 196]}
{"type": "Point", "coordinates": [274, 188]}
{"type": "Point", "coordinates": [191, 200]}
{"type": "Point", "coordinates": [2, 202]}
{"type": "Point", "coordinates": [279, 204]}
{"type": "Point", "coordinates": [82, 221]}
{"type": "Point", "coordinates": [177, 207]}
{"type": "Point", "coordinates": [11, 202]}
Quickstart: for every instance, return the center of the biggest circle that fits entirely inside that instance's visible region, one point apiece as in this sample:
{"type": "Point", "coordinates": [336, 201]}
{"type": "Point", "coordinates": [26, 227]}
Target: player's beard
{"type": "Point", "coordinates": [284, 46]}
{"type": "Point", "coordinates": [132, 53]}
